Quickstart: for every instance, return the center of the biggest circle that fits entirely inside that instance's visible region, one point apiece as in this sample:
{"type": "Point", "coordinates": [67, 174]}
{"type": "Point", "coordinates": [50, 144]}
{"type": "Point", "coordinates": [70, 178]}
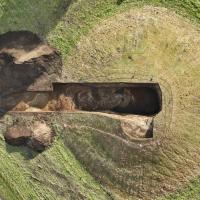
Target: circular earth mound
{"type": "Point", "coordinates": [148, 44]}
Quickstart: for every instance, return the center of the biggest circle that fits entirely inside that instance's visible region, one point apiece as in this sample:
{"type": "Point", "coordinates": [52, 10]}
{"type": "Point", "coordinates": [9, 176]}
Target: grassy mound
{"type": "Point", "coordinates": [138, 46]}
{"type": "Point", "coordinates": [115, 41]}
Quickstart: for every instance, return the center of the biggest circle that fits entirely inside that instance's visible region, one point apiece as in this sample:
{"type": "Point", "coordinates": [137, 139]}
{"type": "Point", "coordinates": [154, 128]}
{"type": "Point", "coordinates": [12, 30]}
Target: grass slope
{"type": "Point", "coordinates": [55, 174]}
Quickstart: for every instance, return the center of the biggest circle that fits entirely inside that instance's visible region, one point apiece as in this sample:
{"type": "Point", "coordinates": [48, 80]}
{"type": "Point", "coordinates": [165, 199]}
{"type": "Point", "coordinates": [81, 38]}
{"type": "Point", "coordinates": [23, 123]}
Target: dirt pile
{"type": "Point", "coordinates": [37, 137]}
{"type": "Point", "coordinates": [27, 63]}
{"type": "Point", "coordinates": [17, 135]}
{"type": "Point", "coordinates": [137, 127]}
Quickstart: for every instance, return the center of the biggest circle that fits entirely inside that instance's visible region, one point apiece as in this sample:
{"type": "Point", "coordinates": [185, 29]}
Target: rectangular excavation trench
{"type": "Point", "coordinates": [122, 98]}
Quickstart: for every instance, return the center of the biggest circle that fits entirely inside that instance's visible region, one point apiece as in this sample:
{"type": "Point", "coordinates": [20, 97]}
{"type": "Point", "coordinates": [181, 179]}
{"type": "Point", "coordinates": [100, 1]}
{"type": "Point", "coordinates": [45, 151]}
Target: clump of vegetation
{"type": "Point", "coordinates": [119, 2]}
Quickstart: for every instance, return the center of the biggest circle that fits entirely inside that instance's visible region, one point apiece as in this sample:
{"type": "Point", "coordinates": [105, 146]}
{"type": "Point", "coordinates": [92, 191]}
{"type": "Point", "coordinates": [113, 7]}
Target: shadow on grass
{"type": "Point", "coordinates": [26, 152]}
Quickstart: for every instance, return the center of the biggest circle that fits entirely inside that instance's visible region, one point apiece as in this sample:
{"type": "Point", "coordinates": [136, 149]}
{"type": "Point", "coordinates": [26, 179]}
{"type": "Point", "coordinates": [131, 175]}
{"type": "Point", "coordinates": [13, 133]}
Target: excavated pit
{"type": "Point", "coordinates": [30, 72]}
{"type": "Point", "coordinates": [134, 104]}
{"type": "Point", "coordinates": [128, 98]}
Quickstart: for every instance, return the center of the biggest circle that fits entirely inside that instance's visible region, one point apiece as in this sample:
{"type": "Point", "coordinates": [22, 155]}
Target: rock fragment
{"type": "Point", "coordinates": [42, 136]}
{"type": "Point", "coordinates": [17, 135]}
{"type": "Point", "coordinates": [37, 137]}
{"type": "Point", "coordinates": [138, 127]}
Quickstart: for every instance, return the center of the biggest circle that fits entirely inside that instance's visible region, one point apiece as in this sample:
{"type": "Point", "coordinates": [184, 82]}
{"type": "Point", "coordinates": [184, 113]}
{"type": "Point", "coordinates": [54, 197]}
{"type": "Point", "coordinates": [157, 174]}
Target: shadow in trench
{"type": "Point", "coordinates": [123, 98]}
{"type": "Point", "coordinates": [144, 99]}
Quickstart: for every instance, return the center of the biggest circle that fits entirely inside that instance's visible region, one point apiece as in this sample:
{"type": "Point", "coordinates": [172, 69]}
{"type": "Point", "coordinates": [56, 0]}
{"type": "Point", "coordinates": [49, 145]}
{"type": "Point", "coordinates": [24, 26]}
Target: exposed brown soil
{"type": "Point", "coordinates": [27, 63]}
{"type": "Point", "coordinates": [17, 135]}
{"type": "Point", "coordinates": [38, 136]}
{"type": "Point", "coordinates": [23, 46]}
{"type": "Point", "coordinates": [129, 98]}
{"type": "Point", "coordinates": [137, 127]}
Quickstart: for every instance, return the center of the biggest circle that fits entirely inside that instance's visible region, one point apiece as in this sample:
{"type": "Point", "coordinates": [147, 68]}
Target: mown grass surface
{"type": "Point", "coordinates": [192, 191]}
{"type": "Point", "coordinates": [56, 174]}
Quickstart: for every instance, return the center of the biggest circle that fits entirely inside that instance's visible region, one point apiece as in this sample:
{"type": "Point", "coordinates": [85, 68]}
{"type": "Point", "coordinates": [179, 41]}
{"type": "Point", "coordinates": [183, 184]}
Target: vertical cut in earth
{"type": "Point", "coordinates": [126, 98]}
{"type": "Point", "coordinates": [130, 98]}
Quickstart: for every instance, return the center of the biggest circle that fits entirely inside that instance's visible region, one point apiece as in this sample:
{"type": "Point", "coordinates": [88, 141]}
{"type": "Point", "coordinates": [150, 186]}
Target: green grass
{"type": "Point", "coordinates": [54, 175]}
{"type": "Point", "coordinates": [63, 22]}
{"type": "Point", "coordinates": [192, 192]}
{"type": "Point", "coordinates": [86, 14]}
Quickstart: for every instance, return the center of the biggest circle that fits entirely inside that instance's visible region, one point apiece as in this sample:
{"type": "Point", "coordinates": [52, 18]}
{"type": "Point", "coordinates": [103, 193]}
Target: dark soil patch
{"type": "Point", "coordinates": [131, 98]}
{"type": "Point", "coordinates": [124, 98]}
{"type": "Point", "coordinates": [27, 63]}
